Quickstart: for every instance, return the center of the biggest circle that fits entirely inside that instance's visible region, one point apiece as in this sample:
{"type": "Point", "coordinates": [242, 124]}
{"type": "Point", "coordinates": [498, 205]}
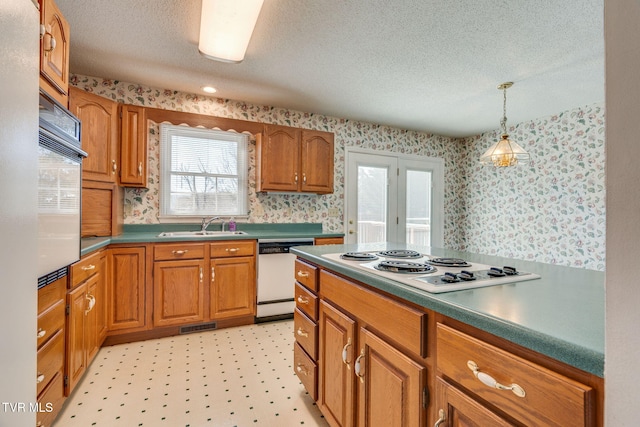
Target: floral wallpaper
{"type": "Point", "coordinates": [550, 210]}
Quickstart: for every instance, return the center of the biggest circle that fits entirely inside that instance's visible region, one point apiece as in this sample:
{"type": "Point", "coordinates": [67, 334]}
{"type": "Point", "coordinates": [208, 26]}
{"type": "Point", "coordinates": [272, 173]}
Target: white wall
{"type": "Point", "coordinates": [622, 346]}
{"type": "Point", "coordinates": [18, 220]}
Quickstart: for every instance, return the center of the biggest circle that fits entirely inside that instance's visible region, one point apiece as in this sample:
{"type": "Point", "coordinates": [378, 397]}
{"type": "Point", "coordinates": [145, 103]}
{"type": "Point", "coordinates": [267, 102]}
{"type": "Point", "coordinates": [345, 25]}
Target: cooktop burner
{"type": "Point", "coordinates": [448, 262]}
{"type": "Point", "coordinates": [358, 256]}
{"type": "Point", "coordinates": [400, 253]}
{"type": "Point", "coordinates": [404, 267]}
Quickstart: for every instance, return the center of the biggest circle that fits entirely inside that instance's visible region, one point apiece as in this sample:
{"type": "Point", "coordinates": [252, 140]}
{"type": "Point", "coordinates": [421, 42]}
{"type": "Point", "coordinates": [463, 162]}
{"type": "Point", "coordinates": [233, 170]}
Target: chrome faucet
{"type": "Point", "coordinates": [206, 221]}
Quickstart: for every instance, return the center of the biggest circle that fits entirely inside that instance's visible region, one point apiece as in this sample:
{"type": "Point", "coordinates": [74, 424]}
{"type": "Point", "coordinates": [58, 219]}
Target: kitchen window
{"type": "Point", "coordinates": [203, 172]}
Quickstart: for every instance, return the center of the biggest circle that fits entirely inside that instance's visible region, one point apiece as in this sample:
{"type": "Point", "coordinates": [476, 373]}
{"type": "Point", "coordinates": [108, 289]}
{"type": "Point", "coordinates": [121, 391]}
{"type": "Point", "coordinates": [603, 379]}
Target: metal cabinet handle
{"type": "Point", "coordinates": [300, 368]}
{"type": "Point", "coordinates": [295, 177]}
{"type": "Point", "coordinates": [114, 166]}
{"type": "Point", "coordinates": [140, 169]}
{"type": "Point", "coordinates": [301, 332]}
{"type": "Point", "coordinates": [489, 381]}
{"type": "Point", "coordinates": [92, 303]}
{"type": "Point", "coordinates": [88, 267]}
{"type": "Point", "coordinates": [39, 378]}
{"type": "Point", "coordinates": [52, 40]}
{"type": "Point", "coordinates": [304, 178]}
{"type": "Point", "coordinates": [213, 274]}
{"type": "Point", "coordinates": [41, 333]}
{"type": "Point", "coordinates": [303, 273]}
{"type": "Point", "coordinates": [358, 366]}
{"type": "Point", "coordinates": [345, 350]}
{"type": "Point", "coordinates": [303, 300]}
{"type": "Point", "coordinates": [182, 252]}
{"type": "Point", "coordinates": [441, 419]}
{"type": "Point", "coordinates": [232, 250]}
{"type": "Point", "coordinates": [201, 275]}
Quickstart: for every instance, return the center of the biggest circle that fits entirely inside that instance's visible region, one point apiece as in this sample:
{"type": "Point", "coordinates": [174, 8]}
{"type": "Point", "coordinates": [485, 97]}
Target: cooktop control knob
{"type": "Point", "coordinates": [496, 272]}
{"type": "Point", "coordinates": [509, 271]}
{"type": "Point", "coordinates": [449, 278]}
{"type": "Point", "coordinates": [466, 275]}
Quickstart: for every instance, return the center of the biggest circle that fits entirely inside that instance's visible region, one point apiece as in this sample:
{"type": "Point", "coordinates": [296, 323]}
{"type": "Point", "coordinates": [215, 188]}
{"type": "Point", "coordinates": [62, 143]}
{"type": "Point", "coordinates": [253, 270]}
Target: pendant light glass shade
{"type": "Point", "coordinates": [504, 152]}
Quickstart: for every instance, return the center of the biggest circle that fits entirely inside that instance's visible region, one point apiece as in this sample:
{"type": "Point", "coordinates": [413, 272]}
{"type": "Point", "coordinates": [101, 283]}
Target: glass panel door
{"type": "Point", "coordinates": [418, 207]}
{"type": "Point", "coordinates": [371, 213]}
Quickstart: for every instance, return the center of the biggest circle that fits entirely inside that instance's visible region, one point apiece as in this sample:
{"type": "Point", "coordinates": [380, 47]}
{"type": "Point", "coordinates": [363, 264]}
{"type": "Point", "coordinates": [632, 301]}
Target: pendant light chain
{"type": "Point", "coordinates": [503, 122]}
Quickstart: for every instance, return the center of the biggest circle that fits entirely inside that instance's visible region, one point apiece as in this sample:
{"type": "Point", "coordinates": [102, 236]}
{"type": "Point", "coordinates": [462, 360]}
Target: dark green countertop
{"type": "Point", "coordinates": [148, 233]}
{"type": "Point", "coordinates": [560, 315]}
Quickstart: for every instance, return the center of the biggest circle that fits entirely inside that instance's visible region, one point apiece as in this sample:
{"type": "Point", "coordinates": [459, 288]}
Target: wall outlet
{"type": "Point", "coordinates": [333, 212]}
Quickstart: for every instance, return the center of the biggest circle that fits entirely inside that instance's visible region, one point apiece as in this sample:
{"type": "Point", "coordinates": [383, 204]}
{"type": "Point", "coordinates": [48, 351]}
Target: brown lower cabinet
{"type": "Point", "coordinates": [382, 360]}
{"type": "Point", "coordinates": [127, 290]}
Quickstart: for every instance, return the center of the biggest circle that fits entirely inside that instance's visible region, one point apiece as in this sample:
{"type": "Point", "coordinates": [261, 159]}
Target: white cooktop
{"type": "Point", "coordinates": [432, 282]}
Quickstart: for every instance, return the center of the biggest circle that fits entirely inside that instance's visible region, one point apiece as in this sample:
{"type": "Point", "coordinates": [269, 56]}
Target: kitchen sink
{"type": "Point", "coordinates": [199, 233]}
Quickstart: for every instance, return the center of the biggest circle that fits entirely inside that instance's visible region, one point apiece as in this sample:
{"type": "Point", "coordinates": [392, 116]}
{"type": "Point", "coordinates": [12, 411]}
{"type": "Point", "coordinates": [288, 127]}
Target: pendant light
{"type": "Point", "coordinates": [504, 152]}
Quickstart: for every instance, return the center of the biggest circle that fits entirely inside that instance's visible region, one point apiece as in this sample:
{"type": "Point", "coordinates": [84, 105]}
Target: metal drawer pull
{"type": "Point", "coordinates": [301, 332]}
{"type": "Point", "coordinates": [232, 250]}
{"type": "Point", "coordinates": [303, 273]}
{"type": "Point", "coordinates": [442, 418]}
{"type": "Point", "coordinates": [182, 252]}
{"type": "Point", "coordinates": [303, 300]}
{"type": "Point", "coordinates": [488, 380]}
{"type": "Point", "coordinates": [88, 267]}
{"type": "Point", "coordinates": [345, 349]}
{"type": "Point", "coordinates": [302, 369]}
{"type": "Point", "coordinates": [40, 378]}
{"type": "Point", "coordinates": [357, 367]}
{"type": "Point", "coordinates": [41, 333]}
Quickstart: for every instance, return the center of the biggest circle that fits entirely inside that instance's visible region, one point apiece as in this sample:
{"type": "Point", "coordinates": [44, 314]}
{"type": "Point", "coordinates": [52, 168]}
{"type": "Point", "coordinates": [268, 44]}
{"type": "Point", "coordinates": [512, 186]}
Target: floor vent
{"type": "Point", "coordinates": [197, 328]}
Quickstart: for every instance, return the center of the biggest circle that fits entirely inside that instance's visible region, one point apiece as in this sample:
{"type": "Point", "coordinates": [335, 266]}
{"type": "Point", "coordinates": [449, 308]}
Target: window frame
{"type": "Point", "coordinates": [166, 131]}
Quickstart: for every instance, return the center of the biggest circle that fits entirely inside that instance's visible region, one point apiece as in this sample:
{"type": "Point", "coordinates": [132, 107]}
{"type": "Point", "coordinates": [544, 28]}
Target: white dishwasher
{"type": "Point", "coordinates": [276, 282]}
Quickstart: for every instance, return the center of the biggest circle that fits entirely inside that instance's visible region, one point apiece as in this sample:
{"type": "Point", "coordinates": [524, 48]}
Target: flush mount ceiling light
{"type": "Point", "coordinates": [226, 27]}
{"type": "Point", "coordinates": [209, 89]}
{"type": "Point", "coordinates": [504, 152]}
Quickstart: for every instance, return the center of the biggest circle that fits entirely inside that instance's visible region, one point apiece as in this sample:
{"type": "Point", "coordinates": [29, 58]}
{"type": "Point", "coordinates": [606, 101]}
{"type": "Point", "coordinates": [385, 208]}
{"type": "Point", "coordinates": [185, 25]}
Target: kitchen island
{"type": "Point", "coordinates": [554, 323]}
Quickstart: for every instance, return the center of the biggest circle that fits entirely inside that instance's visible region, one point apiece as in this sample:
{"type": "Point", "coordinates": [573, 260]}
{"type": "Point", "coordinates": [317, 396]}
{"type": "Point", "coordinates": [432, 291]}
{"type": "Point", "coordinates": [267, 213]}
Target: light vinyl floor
{"type": "Point", "coordinates": [240, 376]}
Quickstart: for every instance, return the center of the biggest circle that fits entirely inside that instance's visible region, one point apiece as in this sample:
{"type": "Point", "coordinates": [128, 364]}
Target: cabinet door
{"type": "Point", "coordinates": [456, 409]}
{"type": "Point", "coordinates": [279, 159]}
{"type": "Point", "coordinates": [76, 345]}
{"type": "Point", "coordinates": [54, 48]}
{"type": "Point", "coordinates": [316, 162]}
{"type": "Point", "coordinates": [133, 147]}
{"type": "Point", "coordinates": [233, 287]}
{"type": "Point", "coordinates": [336, 383]}
{"type": "Point", "coordinates": [126, 290]}
{"type": "Point", "coordinates": [391, 384]}
{"type": "Point", "coordinates": [178, 292]}
{"type": "Point", "coordinates": [100, 294]}
{"type": "Point", "coordinates": [99, 118]}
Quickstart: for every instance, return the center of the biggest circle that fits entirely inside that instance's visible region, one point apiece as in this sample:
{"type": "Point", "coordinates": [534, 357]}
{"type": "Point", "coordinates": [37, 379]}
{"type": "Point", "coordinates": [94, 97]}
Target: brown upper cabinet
{"type": "Point", "coordinates": [99, 117]}
{"type": "Point", "coordinates": [294, 160]}
{"type": "Point", "coordinates": [54, 52]}
{"type": "Point", "coordinates": [133, 146]}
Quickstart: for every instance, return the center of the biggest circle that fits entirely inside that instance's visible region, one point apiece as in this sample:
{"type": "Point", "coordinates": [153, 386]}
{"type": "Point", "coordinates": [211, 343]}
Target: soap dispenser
{"type": "Point", "coordinates": [232, 224]}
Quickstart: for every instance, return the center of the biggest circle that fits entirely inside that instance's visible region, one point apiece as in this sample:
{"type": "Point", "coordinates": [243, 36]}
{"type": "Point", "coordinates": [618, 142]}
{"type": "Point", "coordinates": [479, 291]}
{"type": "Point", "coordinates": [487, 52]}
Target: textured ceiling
{"type": "Point", "coordinates": [428, 65]}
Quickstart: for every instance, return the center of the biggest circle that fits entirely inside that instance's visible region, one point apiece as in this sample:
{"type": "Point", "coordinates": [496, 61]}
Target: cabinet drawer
{"type": "Point", "coordinates": [307, 274]}
{"type": "Point", "coordinates": [306, 333]}
{"type": "Point", "coordinates": [233, 248]}
{"type": "Point", "coordinates": [548, 398]}
{"type": "Point", "coordinates": [306, 301]}
{"type": "Point", "coordinates": [178, 251]}
{"type": "Point", "coordinates": [406, 326]}
{"type": "Point", "coordinates": [50, 294]}
{"type": "Point", "coordinates": [306, 370]}
{"type": "Point", "coordinates": [50, 360]}
{"type": "Point", "coordinates": [50, 322]}
{"type": "Point", "coordinates": [85, 268]}
{"type": "Point", "coordinates": [51, 401]}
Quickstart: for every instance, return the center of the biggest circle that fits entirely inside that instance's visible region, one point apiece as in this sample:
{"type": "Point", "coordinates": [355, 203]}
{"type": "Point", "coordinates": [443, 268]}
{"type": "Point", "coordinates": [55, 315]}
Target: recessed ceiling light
{"type": "Point", "coordinates": [209, 89]}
